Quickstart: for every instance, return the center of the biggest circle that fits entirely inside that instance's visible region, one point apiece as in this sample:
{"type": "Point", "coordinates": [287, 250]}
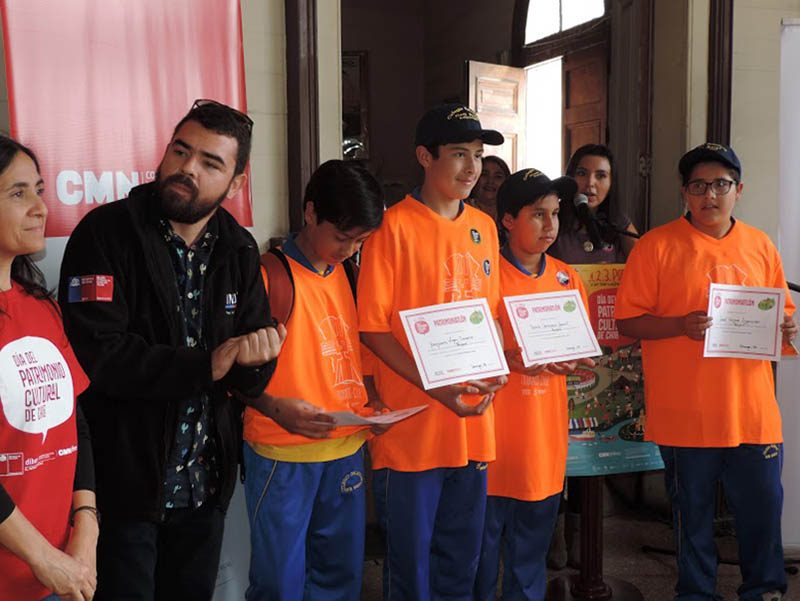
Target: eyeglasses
{"type": "Point", "coordinates": [719, 187]}
{"type": "Point", "coordinates": [238, 115]}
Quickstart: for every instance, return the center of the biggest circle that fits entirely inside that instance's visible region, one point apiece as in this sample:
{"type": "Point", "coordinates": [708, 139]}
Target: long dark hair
{"type": "Point", "coordinates": [23, 270]}
{"type": "Point", "coordinates": [497, 161]}
{"type": "Point", "coordinates": [608, 209]}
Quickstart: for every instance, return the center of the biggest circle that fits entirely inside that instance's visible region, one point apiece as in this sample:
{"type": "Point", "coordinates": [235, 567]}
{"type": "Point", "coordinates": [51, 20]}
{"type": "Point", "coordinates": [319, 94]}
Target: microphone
{"type": "Point", "coordinates": [581, 202]}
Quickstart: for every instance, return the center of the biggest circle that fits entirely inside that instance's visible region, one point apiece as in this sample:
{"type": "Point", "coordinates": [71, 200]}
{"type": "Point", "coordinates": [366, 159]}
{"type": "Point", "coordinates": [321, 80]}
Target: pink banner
{"type": "Point", "coordinates": [95, 88]}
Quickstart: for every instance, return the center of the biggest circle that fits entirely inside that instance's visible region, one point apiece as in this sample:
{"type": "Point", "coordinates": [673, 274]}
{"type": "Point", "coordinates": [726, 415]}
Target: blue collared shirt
{"type": "Point", "coordinates": [506, 252]}
{"type": "Point", "coordinates": [290, 249]}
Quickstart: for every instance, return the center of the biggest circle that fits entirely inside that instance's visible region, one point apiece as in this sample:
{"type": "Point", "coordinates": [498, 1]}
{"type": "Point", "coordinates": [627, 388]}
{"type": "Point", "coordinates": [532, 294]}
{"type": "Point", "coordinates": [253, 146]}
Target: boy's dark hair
{"type": "Point", "coordinates": [226, 121]}
{"type": "Point", "coordinates": [433, 149]}
{"type": "Point", "coordinates": [23, 270]}
{"type": "Point", "coordinates": [345, 194]}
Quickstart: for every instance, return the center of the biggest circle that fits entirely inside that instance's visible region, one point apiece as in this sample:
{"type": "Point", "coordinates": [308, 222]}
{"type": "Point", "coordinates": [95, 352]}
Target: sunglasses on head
{"type": "Point", "coordinates": [238, 115]}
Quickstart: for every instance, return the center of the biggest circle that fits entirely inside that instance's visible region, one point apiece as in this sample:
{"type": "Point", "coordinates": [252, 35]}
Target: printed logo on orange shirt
{"type": "Point", "coordinates": [728, 274]}
{"type": "Point", "coordinates": [464, 277]}
{"type": "Point", "coordinates": [732, 275]}
{"type": "Point", "coordinates": [337, 348]}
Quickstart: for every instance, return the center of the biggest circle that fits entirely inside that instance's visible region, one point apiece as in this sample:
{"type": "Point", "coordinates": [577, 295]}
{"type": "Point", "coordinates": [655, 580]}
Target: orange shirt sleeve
{"type": "Point", "coordinates": [638, 291]}
{"type": "Point", "coordinates": [376, 283]}
{"type": "Point", "coordinates": [779, 281]}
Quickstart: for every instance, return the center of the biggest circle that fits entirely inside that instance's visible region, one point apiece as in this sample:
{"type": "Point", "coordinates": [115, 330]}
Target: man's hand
{"type": "Point", "coordinates": [223, 357]}
{"type": "Point", "coordinates": [695, 325]}
{"type": "Point", "coordinates": [261, 346]}
{"type": "Point", "coordinates": [249, 350]}
{"type": "Point", "coordinates": [299, 417]}
{"type": "Point", "coordinates": [450, 397]}
{"type": "Point", "coordinates": [789, 329]}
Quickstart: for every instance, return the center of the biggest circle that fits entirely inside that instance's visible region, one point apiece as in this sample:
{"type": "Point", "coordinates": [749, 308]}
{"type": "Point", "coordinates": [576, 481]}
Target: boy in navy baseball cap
{"type": "Point", "coordinates": [430, 471]}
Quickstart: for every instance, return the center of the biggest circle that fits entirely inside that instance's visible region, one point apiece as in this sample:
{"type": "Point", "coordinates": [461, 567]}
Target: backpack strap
{"type": "Point", "coordinates": [351, 271]}
{"type": "Point", "coordinates": [280, 284]}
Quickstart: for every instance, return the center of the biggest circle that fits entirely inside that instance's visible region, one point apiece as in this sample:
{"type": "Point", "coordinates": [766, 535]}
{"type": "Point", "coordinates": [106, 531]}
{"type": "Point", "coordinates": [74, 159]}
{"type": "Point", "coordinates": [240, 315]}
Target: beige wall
{"type": "Point", "coordinates": [329, 70]}
{"type": "Point", "coordinates": [264, 34]}
{"type": "Point", "coordinates": [755, 114]}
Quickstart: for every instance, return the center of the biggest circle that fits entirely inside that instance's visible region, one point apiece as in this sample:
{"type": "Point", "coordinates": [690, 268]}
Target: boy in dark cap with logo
{"type": "Point", "coordinates": [714, 419]}
{"type": "Point", "coordinates": [430, 471]}
{"type": "Point", "coordinates": [526, 480]}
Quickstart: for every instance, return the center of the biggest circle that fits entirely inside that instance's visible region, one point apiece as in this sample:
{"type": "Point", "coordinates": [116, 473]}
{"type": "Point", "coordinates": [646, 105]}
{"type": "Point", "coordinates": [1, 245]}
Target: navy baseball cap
{"type": "Point", "coordinates": [525, 187]}
{"type": "Point", "coordinates": [451, 124]}
{"type": "Point", "coordinates": [708, 153]}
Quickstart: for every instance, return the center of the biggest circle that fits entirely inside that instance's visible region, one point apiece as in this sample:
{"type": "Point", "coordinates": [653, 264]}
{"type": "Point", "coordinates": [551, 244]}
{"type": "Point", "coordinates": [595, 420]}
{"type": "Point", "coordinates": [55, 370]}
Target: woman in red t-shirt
{"type": "Point", "coordinates": [48, 516]}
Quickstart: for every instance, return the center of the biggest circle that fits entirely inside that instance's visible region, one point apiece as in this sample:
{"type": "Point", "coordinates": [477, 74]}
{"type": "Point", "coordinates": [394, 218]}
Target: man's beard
{"type": "Point", "coordinates": [175, 207]}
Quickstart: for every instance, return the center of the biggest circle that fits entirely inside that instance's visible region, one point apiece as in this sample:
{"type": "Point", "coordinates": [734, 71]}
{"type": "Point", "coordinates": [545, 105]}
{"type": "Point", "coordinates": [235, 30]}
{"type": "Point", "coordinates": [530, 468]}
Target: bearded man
{"type": "Point", "coordinates": [165, 308]}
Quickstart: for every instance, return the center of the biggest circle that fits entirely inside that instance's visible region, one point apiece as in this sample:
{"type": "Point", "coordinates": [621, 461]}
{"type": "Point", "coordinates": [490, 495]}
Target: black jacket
{"type": "Point", "coordinates": [132, 348]}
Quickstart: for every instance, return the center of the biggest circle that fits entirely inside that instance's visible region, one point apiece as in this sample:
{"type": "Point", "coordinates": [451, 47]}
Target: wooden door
{"type": "Point", "coordinates": [585, 99]}
{"type": "Point", "coordinates": [630, 106]}
{"type": "Point", "coordinates": [497, 94]}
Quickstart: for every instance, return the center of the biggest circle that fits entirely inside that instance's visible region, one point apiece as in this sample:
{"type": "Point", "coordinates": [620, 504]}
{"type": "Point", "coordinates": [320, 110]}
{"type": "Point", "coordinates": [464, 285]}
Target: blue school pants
{"type": "Point", "coordinates": [521, 532]}
{"type": "Point", "coordinates": [433, 521]}
{"type": "Point", "coordinates": [307, 523]}
{"type": "Point", "coordinates": [751, 479]}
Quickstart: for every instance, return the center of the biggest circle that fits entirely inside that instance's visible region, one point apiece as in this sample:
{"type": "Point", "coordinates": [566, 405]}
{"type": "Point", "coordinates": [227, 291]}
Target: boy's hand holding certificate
{"type": "Point", "coordinates": [454, 342]}
{"type": "Point", "coordinates": [745, 322]}
{"type": "Point", "coordinates": [552, 327]}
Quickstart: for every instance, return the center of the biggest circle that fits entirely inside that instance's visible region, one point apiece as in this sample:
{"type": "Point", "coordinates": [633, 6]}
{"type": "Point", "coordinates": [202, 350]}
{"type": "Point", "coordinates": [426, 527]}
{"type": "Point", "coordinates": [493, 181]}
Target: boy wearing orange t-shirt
{"type": "Point", "coordinates": [304, 483]}
{"type": "Point", "coordinates": [531, 417]}
{"type": "Point", "coordinates": [713, 418]}
{"type": "Point", "coordinates": [430, 471]}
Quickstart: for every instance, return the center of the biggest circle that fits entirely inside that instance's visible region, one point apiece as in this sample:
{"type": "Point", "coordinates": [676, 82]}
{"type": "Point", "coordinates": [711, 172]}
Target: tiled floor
{"type": "Point", "coordinates": [653, 574]}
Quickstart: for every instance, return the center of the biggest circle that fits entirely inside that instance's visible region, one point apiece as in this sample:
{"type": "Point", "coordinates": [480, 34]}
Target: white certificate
{"type": "Point", "coordinates": [551, 327]}
{"type": "Point", "coordinates": [454, 342]}
{"type": "Point", "coordinates": [348, 418]}
{"type": "Point", "coordinates": [745, 322]}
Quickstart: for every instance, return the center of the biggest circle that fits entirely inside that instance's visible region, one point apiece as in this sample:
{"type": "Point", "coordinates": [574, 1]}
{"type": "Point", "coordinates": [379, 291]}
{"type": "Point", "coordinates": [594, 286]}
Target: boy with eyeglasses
{"type": "Point", "coordinates": [714, 419]}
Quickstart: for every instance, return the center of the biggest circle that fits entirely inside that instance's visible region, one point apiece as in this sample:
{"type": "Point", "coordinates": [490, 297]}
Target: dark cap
{"type": "Point", "coordinates": [708, 153]}
{"type": "Point", "coordinates": [524, 187]}
{"type": "Point", "coordinates": [451, 124]}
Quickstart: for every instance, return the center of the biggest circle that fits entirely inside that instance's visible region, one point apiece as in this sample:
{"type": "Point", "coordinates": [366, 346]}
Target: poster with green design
{"type": "Point", "coordinates": [606, 403]}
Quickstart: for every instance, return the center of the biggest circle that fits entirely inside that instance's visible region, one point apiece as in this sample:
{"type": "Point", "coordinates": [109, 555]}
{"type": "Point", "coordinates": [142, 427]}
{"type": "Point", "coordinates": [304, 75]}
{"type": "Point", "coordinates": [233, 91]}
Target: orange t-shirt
{"type": "Point", "coordinates": [418, 258]}
{"type": "Point", "coordinates": [320, 361]}
{"type": "Point", "coordinates": [694, 401]}
{"type": "Point", "coordinates": [530, 412]}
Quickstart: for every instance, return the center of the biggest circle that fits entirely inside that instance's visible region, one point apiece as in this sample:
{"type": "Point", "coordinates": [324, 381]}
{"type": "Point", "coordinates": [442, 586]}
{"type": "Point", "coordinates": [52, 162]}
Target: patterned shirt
{"type": "Point", "coordinates": [191, 475]}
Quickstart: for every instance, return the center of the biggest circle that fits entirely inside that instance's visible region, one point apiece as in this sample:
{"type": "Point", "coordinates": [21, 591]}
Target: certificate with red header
{"type": "Point", "coordinates": [552, 327]}
{"type": "Point", "coordinates": [746, 322]}
{"type": "Point", "coordinates": [453, 343]}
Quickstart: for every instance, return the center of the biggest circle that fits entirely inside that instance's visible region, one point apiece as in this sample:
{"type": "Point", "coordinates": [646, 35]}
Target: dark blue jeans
{"type": "Point", "coordinates": [751, 479]}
